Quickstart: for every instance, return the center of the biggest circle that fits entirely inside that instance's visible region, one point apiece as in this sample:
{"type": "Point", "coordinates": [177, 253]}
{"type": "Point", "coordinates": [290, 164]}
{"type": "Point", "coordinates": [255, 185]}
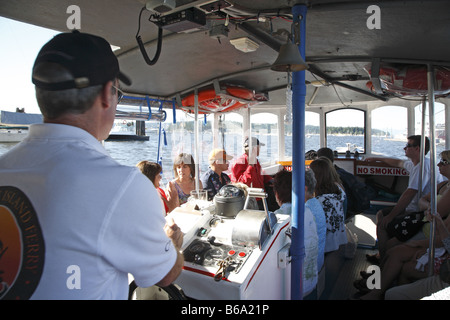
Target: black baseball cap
{"type": "Point", "coordinates": [255, 142]}
{"type": "Point", "coordinates": [89, 58]}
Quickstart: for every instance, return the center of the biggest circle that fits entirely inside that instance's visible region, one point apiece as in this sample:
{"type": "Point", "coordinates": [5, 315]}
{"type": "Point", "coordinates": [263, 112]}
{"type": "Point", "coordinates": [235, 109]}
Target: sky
{"type": "Point", "coordinates": [21, 43]}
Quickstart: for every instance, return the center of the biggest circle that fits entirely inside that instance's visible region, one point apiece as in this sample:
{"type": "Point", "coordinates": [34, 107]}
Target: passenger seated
{"type": "Point", "coordinates": [401, 261]}
{"type": "Point", "coordinates": [358, 193]}
{"type": "Point", "coordinates": [407, 263]}
{"type": "Point", "coordinates": [319, 216]}
{"type": "Point", "coordinates": [215, 178]}
{"type": "Point", "coordinates": [184, 172]}
{"type": "Point", "coordinates": [311, 155]}
{"type": "Point", "coordinates": [282, 185]}
{"type": "Point", "coordinates": [430, 285]}
{"type": "Point", "coordinates": [152, 170]}
{"type": "Point", "coordinates": [442, 188]}
{"type": "Point", "coordinates": [408, 201]}
{"type": "Point", "coordinates": [331, 196]}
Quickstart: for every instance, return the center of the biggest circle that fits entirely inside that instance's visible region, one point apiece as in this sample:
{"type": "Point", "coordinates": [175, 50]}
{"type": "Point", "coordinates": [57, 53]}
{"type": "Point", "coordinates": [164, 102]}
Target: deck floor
{"type": "Point", "coordinates": [343, 288]}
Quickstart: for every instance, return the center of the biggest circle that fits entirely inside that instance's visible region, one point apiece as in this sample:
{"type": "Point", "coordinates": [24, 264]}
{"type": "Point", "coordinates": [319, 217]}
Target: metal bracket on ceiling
{"type": "Point", "coordinates": [178, 99]}
{"type": "Point", "coordinates": [217, 87]}
{"type": "Point", "coordinates": [375, 75]}
{"type": "Point", "coordinates": [318, 72]}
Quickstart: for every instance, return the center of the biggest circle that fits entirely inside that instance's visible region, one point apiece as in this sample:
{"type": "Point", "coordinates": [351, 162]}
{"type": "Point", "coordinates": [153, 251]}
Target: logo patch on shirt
{"type": "Point", "coordinates": [22, 248]}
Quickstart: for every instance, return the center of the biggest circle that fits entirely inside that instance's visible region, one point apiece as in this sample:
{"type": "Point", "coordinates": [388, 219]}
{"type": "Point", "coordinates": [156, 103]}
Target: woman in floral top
{"type": "Point", "coordinates": [332, 196]}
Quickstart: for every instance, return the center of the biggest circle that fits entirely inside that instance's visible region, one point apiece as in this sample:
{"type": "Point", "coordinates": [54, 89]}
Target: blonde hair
{"type": "Point", "coordinates": [445, 155]}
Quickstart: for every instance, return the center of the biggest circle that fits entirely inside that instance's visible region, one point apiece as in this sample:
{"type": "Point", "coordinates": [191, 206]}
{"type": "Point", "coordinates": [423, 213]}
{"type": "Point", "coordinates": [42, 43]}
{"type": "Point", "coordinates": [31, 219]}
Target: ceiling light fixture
{"type": "Point", "coordinates": [244, 44]}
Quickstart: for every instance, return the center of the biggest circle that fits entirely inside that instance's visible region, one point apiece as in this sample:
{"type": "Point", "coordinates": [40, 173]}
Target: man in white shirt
{"type": "Point", "coordinates": [408, 201]}
{"type": "Point", "coordinates": [79, 222]}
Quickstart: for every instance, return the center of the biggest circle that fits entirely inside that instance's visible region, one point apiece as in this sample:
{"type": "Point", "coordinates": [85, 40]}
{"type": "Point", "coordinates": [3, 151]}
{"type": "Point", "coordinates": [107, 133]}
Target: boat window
{"type": "Point", "coordinates": [229, 135]}
{"type": "Point", "coordinates": [389, 131]}
{"type": "Point", "coordinates": [264, 126]}
{"type": "Point", "coordinates": [180, 137]}
{"type": "Point", "coordinates": [312, 132]}
{"type": "Point", "coordinates": [439, 124]}
{"type": "Point", "coordinates": [345, 130]}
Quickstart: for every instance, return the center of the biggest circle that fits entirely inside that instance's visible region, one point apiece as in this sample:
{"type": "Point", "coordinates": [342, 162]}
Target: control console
{"type": "Point", "coordinates": [211, 254]}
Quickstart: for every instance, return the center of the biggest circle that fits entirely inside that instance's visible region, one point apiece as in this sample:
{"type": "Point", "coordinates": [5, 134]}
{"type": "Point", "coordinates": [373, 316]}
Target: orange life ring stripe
{"type": "Point", "coordinates": [241, 93]}
{"type": "Point", "coordinates": [411, 80]}
{"type": "Point", "coordinates": [237, 105]}
{"type": "Point", "coordinates": [202, 96]}
{"type": "Point", "coordinates": [235, 98]}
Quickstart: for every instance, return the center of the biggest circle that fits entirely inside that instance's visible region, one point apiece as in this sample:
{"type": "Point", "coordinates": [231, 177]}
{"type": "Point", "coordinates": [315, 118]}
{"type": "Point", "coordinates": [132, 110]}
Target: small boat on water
{"type": "Point", "coordinates": [351, 148]}
{"type": "Point", "coordinates": [11, 134]}
{"type": "Point", "coordinates": [125, 131]}
{"type": "Point", "coordinates": [132, 115]}
{"type": "Point", "coordinates": [14, 125]}
{"type": "Point", "coordinates": [126, 137]}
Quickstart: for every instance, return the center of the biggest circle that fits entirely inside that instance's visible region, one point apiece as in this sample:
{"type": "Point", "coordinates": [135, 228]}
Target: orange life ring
{"type": "Point", "coordinates": [233, 98]}
{"type": "Point", "coordinates": [240, 92]}
{"type": "Point", "coordinates": [411, 80]}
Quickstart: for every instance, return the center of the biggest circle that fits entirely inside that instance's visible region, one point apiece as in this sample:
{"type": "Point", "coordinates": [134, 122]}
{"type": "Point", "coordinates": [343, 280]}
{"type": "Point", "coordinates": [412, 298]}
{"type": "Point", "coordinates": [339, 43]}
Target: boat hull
{"type": "Point", "coordinates": [12, 136]}
{"type": "Point", "coordinates": [127, 137]}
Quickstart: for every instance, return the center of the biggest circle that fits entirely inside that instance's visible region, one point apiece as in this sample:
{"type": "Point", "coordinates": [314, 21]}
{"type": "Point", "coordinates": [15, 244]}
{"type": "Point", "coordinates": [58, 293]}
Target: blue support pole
{"type": "Point", "coordinates": [149, 108]}
{"type": "Point", "coordinates": [174, 113]}
{"type": "Point", "coordinates": [159, 137]}
{"type": "Point", "coordinates": [298, 163]}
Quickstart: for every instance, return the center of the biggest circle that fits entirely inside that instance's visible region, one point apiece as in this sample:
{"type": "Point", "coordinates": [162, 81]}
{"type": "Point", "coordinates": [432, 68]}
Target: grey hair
{"type": "Point", "coordinates": [310, 181]}
{"type": "Point", "coordinates": [54, 104]}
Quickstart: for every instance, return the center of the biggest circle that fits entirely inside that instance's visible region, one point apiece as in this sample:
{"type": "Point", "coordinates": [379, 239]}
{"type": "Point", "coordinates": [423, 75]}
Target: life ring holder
{"type": "Point", "coordinates": [408, 80]}
{"type": "Point", "coordinates": [229, 98]}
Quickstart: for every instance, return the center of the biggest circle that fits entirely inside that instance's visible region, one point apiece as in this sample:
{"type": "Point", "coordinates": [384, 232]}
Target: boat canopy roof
{"type": "Point", "coordinates": [344, 39]}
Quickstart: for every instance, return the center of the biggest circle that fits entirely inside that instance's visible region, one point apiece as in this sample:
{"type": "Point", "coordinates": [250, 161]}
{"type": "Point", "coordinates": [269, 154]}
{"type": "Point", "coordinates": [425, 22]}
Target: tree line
{"type": "Point", "coordinates": [272, 127]}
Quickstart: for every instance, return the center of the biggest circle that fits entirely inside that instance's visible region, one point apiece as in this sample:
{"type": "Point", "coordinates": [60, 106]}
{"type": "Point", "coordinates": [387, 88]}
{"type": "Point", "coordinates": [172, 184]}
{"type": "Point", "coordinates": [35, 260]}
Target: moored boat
{"type": "Point", "coordinates": [14, 125]}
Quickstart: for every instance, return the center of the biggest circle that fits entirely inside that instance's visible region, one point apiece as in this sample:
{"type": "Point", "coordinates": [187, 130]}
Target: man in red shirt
{"type": "Point", "coordinates": [247, 168]}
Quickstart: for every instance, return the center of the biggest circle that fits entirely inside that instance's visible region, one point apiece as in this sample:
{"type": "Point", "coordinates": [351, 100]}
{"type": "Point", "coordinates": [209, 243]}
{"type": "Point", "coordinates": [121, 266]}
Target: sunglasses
{"type": "Point", "coordinates": [443, 162]}
{"type": "Point", "coordinates": [119, 94]}
{"type": "Point", "coordinates": [408, 145]}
